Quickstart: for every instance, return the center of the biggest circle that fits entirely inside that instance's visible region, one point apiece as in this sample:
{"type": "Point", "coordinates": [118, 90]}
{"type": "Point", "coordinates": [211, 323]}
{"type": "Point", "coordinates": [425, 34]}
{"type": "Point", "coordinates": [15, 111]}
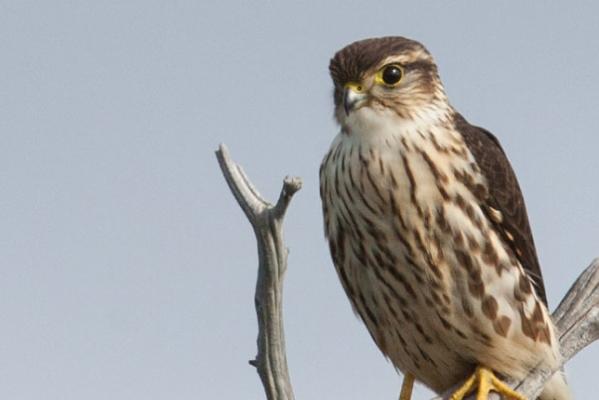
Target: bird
{"type": "Point", "coordinates": [428, 230]}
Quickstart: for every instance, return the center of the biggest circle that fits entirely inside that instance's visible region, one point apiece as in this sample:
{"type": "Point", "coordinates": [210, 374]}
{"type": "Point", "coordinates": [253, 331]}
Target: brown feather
{"type": "Point", "coordinates": [505, 196]}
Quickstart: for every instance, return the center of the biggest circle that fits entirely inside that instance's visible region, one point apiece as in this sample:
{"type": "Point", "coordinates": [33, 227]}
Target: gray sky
{"type": "Point", "coordinates": [126, 268]}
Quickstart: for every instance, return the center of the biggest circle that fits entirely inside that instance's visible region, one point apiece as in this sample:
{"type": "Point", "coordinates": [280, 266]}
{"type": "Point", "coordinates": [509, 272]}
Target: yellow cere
{"type": "Point", "coordinates": [356, 87]}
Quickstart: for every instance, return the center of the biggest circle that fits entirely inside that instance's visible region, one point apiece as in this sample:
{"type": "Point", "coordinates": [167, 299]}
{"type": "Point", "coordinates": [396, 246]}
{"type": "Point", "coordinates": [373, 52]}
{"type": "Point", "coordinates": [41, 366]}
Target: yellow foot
{"type": "Point", "coordinates": [485, 381]}
{"type": "Point", "coordinates": [406, 387]}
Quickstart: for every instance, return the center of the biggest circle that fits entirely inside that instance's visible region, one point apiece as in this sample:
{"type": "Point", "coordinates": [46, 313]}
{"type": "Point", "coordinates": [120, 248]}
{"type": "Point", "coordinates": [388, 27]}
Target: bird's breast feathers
{"type": "Point", "coordinates": [404, 219]}
{"type": "Point", "coordinates": [416, 160]}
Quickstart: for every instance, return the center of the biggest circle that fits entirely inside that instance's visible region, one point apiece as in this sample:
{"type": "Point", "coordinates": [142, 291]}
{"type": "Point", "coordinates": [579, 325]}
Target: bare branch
{"type": "Point", "coordinates": [245, 193]}
{"type": "Point", "coordinates": [577, 316]}
{"type": "Point", "coordinates": [290, 186]}
{"type": "Point", "coordinates": [267, 221]}
{"type": "Point", "coordinates": [577, 321]}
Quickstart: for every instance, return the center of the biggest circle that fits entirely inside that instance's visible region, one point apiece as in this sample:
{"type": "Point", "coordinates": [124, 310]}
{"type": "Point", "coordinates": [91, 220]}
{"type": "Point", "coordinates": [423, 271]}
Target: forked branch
{"type": "Point", "coordinates": [267, 221]}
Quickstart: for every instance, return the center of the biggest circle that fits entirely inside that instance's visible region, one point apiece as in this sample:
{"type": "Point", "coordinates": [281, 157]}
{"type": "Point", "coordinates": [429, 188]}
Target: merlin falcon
{"type": "Point", "coordinates": [428, 230]}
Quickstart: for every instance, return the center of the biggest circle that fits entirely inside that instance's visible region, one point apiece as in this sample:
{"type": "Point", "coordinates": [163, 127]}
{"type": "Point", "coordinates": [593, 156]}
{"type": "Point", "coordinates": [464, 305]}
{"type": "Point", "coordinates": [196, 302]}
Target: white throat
{"type": "Point", "coordinates": [380, 123]}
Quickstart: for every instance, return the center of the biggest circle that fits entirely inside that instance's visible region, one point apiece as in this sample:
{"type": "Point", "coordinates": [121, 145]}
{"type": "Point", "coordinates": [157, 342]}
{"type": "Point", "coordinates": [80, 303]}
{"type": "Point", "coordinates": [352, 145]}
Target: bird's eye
{"type": "Point", "coordinates": [391, 74]}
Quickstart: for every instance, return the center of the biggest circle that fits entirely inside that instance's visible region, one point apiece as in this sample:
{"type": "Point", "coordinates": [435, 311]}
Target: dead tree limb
{"type": "Point", "coordinates": [267, 221]}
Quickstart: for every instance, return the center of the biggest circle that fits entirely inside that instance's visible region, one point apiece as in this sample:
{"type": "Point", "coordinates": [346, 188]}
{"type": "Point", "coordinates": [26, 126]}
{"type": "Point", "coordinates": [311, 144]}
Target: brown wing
{"type": "Point", "coordinates": [504, 196]}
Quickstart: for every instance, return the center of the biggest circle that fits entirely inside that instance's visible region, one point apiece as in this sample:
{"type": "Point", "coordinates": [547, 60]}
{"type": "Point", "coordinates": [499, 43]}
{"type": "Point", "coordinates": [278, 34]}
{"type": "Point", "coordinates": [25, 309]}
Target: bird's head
{"type": "Point", "coordinates": [389, 75]}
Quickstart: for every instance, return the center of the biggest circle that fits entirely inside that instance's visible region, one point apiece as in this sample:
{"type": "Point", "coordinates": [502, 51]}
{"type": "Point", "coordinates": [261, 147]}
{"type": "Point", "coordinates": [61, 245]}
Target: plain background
{"type": "Point", "coordinates": [126, 268]}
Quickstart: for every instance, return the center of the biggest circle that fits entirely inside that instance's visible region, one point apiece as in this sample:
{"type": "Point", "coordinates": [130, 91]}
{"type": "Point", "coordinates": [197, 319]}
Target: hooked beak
{"type": "Point", "coordinates": [352, 95]}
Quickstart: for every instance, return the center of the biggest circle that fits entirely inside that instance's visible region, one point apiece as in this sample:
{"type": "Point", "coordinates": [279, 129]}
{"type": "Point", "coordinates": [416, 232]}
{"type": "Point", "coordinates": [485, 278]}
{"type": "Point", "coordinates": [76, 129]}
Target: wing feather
{"type": "Point", "coordinates": [506, 197]}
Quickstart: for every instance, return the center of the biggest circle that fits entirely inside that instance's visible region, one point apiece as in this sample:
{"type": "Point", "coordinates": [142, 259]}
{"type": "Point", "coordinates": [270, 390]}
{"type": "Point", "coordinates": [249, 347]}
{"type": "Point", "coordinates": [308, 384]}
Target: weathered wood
{"type": "Point", "coordinates": [267, 221]}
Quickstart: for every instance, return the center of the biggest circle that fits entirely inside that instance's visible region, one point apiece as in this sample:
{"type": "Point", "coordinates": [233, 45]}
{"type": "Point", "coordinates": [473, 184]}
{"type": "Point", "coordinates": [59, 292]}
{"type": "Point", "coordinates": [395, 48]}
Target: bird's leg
{"type": "Point", "coordinates": [484, 381]}
{"type": "Point", "coordinates": [406, 387]}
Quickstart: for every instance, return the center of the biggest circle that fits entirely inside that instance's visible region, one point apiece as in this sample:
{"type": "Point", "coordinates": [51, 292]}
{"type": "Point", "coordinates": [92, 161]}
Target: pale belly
{"type": "Point", "coordinates": [422, 266]}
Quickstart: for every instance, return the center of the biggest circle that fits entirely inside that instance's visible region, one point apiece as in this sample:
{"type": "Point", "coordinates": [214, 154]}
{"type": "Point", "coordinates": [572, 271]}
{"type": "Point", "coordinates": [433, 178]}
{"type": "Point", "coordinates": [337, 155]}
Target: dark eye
{"type": "Point", "coordinates": [392, 74]}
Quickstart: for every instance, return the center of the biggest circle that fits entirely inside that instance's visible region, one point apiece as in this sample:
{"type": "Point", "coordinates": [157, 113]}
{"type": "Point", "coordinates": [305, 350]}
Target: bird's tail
{"type": "Point", "coordinates": [556, 388]}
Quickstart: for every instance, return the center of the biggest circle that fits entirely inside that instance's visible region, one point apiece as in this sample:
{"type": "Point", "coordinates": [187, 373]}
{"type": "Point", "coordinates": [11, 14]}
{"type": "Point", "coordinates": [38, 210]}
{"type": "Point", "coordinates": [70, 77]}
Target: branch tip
{"type": "Point", "coordinates": [290, 186]}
